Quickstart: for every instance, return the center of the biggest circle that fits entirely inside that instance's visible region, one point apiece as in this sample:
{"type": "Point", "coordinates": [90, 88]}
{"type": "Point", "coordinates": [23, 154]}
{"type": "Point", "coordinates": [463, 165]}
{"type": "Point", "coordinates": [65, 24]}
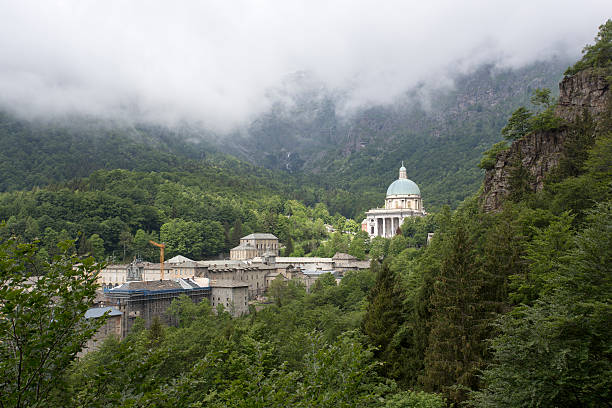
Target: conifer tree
{"type": "Point", "coordinates": [455, 348]}
{"type": "Point", "coordinates": [236, 233]}
{"type": "Point", "coordinates": [384, 314]}
{"type": "Point", "coordinates": [556, 352]}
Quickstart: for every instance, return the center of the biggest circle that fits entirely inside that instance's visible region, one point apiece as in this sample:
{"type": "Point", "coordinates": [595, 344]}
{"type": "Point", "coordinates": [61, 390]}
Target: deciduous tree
{"type": "Point", "coordinates": [42, 325]}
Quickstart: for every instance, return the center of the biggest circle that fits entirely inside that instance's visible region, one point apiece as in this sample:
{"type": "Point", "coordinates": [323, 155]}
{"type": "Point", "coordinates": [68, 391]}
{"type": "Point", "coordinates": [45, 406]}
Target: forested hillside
{"type": "Point", "coordinates": [115, 187]}
{"type": "Point", "coordinates": [512, 307]}
{"type": "Point", "coordinates": [38, 152]}
{"type": "Point", "coordinates": [200, 213]}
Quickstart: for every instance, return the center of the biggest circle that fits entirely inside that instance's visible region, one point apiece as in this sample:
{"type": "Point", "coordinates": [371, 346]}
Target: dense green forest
{"type": "Point", "coordinates": [198, 214]}
{"type": "Point", "coordinates": [502, 309]}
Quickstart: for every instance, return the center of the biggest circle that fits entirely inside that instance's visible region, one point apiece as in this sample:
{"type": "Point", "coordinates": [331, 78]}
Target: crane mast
{"type": "Point", "coordinates": [161, 258]}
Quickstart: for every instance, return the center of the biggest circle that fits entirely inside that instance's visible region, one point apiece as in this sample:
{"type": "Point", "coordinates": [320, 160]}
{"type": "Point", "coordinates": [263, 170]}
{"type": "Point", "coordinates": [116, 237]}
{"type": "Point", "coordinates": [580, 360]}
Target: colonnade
{"type": "Point", "coordinates": [386, 226]}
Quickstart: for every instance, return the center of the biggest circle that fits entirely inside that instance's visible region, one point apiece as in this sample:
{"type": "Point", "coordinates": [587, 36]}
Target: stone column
{"type": "Point", "coordinates": [384, 234]}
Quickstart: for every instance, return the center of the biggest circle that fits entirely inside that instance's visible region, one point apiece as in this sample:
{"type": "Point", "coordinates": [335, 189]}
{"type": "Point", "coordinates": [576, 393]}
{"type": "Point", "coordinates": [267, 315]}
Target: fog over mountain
{"type": "Point", "coordinates": [220, 63]}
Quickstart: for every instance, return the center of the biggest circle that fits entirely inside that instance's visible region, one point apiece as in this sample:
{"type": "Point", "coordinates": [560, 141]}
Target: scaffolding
{"type": "Point", "coordinates": [147, 304]}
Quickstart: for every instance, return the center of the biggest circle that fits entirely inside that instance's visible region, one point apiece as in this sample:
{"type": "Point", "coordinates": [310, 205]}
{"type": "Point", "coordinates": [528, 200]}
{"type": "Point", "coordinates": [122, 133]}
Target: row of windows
{"type": "Point", "coordinates": [264, 246]}
{"type": "Point", "coordinates": [268, 246]}
{"type": "Point", "coordinates": [403, 204]}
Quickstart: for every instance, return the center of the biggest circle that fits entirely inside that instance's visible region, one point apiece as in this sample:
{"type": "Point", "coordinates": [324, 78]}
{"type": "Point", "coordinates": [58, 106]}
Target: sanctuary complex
{"type": "Point", "coordinates": [145, 290]}
{"type": "Point", "coordinates": [403, 200]}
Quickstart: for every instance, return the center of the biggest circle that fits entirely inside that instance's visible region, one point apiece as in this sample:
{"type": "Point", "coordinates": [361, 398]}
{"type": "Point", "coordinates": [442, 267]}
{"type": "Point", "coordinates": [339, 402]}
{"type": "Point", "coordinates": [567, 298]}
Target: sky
{"type": "Point", "coordinates": [218, 63]}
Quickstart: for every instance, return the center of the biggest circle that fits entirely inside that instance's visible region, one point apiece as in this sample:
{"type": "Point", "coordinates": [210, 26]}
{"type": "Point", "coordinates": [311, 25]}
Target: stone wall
{"type": "Point", "coordinates": [112, 327]}
{"type": "Point", "coordinates": [233, 297]}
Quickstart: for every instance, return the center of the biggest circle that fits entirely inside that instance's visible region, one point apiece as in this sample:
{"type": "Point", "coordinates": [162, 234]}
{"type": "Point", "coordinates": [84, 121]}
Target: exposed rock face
{"type": "Point", "coordinates": [540, 152]}
{"type": "Point", "coordinates": [585, 90]}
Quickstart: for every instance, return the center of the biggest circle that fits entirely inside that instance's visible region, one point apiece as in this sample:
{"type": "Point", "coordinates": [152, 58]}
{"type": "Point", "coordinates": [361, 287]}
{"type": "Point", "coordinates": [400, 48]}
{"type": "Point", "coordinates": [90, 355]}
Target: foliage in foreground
{"type": "Point", "coordinates": [306, 351]}
{"type": "Point", "coordinates": [556, 352]}
{"type": "Point", "coordinates": [42, 325]}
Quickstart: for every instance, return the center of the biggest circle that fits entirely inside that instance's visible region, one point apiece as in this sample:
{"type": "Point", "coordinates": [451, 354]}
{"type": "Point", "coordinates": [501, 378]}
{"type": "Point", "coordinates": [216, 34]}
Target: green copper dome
{"type": "Point", "coordinates": [403, 187]}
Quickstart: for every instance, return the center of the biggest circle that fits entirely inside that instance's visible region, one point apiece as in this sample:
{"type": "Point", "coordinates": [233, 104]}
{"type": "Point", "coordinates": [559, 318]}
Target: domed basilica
{"type": "Point", "coordinates": [403, 200]}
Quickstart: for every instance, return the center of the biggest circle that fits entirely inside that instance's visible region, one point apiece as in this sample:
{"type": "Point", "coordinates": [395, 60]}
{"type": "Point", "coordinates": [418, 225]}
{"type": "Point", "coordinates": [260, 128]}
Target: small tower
{"type": "Point", "coordinates": [402, 172]}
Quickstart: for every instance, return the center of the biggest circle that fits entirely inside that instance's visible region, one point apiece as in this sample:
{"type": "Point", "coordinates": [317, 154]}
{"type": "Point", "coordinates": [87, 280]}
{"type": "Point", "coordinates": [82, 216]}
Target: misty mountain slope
{"type": "Point", "coordinates": [37, 153]}
{"type": "Point", "coordinates": [440, 137]}
{"type": "Point", "coordinates": [302, 122]}
{"type": "Point", "coordinates": [346, 161]}
{"type": "Point", "coordinates": [63, 152]}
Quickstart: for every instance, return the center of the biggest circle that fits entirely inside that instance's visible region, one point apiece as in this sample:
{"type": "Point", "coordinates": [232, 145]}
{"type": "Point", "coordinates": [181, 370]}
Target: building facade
{"type": "Point", "coordinates": [232, 295]}
{"type": "Point", "coordinates": [403, 201]}
{"type": "Point", "coordinates": [178, 267]}
{"type": "Point", "coordinates": [111, 327]}
{"type": "Point", "coordinates": [250, 273]}
{"type": "Point", "coordinates": [254, 245]}
{"type": "Point", "coordinates": [150, 299]}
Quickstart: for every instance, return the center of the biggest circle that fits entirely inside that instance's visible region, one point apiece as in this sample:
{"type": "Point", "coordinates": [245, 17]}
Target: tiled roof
{"type": "Point", "coordinates": [343, 256]}
{"type": "Point", "coordinates": [244, 246]}
{"type": "Point", "coordinates": [179, 259]}
{"type": "Point", "coordinates": [148, 285]}
{"type": "Point", "coordinates": [96, 312]}
{"type": "Point", "coordinates": [227, 284]}
{"type": "Point", "coordinates": [301, 259]}
{"type": "Point", "coordinates": [260, 235]}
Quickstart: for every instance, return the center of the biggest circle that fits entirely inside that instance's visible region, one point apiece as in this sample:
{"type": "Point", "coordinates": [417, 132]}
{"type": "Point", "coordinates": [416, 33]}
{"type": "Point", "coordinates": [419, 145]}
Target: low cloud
{"type": "Point", "coordinates": [216, 62]}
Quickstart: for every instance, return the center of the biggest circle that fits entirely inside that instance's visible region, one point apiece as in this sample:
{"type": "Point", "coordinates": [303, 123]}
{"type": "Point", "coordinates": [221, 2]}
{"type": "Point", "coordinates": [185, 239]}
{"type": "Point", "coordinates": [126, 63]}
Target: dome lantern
{"type": "Point", "coordinates": [403, 186]}
{"type": "Point", "coordinates": [402, 172]}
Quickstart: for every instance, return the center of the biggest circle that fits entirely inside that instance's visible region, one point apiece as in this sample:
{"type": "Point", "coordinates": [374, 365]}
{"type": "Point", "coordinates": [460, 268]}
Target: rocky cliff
{"type": "Point", "coordinates": [585, 90]}
{"type": "Point", "coordinates": [539, 152]}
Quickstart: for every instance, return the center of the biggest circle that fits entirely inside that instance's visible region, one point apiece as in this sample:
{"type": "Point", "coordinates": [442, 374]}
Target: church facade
{"type": "Point", "coordinates": [403, 200]}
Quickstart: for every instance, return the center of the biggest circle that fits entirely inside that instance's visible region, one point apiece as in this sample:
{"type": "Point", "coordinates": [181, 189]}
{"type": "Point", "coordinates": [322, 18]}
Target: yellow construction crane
{"type": "Point", "coordinates": [161, 257]}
